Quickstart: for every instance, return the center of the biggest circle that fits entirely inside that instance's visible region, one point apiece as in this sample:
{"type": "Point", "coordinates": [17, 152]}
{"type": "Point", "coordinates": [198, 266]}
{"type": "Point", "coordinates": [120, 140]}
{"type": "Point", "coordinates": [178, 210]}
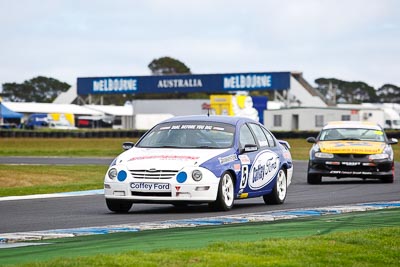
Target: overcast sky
{"type": "Point", "coordinates": [353, 40]}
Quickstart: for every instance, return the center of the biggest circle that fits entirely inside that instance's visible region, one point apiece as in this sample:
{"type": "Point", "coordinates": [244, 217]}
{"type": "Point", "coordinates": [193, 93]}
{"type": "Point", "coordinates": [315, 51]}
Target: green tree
{"type": "Point", "coordinates": [347, 92]}
{"type": "Point", "coordinates": [39, 89]}
{"type": "Point", "coordinates": [170, 66]}
{"type": "Point", "coordinates": [389, 93]}
{"type": "Point", "coordinates": [167, 66]}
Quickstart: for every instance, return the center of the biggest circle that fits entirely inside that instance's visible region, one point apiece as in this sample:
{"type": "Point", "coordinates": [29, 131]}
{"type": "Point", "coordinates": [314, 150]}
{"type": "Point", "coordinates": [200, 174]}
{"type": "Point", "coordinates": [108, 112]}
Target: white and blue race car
{"type": "Point", "coordinates": [200, 159]}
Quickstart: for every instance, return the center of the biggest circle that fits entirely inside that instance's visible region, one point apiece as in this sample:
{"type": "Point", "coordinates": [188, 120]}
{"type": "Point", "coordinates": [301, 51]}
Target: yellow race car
{"type": "Point", "coordinates": [351, 149]}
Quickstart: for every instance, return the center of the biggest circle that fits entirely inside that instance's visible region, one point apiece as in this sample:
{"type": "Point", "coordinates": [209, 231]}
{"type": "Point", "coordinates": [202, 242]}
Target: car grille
{"type": "Point", "coordinates": [352, 168]}
{"type": "Point", "coordinates": [351, 156]}
{"type": "Point", "coordinates": [152, 194]}
{"type": "Point", "coordinates": [153, 174]}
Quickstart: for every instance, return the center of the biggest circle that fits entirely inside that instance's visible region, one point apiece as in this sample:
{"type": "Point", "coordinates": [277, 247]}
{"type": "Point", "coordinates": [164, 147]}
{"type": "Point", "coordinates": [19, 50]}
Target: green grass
{"type": "Point", "coordinates": [299, 148]}
{"type": "Point", "coordinates": [17, 180]}
{"type": "Point", "coordinates": [67, 147]}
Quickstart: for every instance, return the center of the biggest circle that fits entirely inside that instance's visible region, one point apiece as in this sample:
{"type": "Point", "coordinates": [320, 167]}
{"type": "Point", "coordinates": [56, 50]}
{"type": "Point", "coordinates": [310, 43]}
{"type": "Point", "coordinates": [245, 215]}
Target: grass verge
{"type": "Point", "coordinates": [317, 241]}
{"type": "Point", "coordinates": [17, 180]}
{"type": "Point", "coordinates": [65, 147]}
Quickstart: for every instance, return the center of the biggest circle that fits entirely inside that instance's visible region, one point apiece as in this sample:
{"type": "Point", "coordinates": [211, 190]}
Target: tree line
{"type": "Point", "coordinates": [45, 90]}
{"type": "Point", "coordinates": [345, 92]}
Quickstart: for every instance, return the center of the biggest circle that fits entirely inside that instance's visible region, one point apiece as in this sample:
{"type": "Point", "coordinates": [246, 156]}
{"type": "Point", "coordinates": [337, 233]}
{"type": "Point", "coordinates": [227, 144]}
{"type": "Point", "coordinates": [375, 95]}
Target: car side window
{"type": "Point", "coordinates": [261, 137]}
{"type": "Point", "coordinates": [246, 137]}
{"type": "Point", "coordinates": [270, 138]}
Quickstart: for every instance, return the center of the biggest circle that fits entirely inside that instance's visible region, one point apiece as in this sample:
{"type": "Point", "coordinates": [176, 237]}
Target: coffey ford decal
{"type": "Point", "coordinates": [263, 170]}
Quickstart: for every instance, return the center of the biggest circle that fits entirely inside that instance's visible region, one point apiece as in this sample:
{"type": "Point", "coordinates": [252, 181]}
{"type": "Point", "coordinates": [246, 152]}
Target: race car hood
{"type": "Point", "coordinates": [162, 158]}
{"type": "Point", "coordinates": [351, 147]}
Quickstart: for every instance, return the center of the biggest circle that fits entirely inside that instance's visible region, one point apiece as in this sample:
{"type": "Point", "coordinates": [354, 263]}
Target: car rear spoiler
{"type": "Point", "coordinates": [284, 143]}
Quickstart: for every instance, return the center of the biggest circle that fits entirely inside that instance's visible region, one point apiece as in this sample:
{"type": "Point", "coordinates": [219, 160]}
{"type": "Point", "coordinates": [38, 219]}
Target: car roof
{"type": "Point", "coordinates": [211, 118]}
{"type": "Point", "coordinates": [352, 124]}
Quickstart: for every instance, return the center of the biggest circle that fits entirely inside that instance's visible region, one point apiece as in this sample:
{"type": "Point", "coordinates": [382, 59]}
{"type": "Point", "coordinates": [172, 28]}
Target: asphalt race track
{"type": "Point", "coordinates": [85, 211]}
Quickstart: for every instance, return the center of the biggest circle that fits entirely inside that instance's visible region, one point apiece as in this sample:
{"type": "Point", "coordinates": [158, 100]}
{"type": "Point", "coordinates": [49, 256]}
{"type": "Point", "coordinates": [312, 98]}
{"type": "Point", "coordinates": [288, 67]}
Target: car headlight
{"type": "Point", "coordinates": [114, 162]}
{"type": "Point", "coordinates": [323, 155]}
{"type": "Point", "coordinates": [197, 175]}
{"type": "Point", "coordinates": [378, 156]}
{"type": "Point", "coordinates": [112, 173]}
{"type": "Point", "coordinates": [389, 151]}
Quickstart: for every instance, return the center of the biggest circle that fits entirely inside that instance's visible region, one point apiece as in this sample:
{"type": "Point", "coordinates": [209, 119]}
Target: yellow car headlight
{"type": "Point", "coordinates": [323, 155]}
{"type": "Point", "coordinates": [378, 156]}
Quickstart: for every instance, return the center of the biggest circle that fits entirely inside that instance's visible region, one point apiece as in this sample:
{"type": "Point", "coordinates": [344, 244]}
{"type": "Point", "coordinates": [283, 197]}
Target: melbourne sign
{"type": "Point", "coordinates": [249, 81]}
{"type": "Point", "coordinates": [210, 83]}
{"type": "Point", "coordinates": [114, 85]}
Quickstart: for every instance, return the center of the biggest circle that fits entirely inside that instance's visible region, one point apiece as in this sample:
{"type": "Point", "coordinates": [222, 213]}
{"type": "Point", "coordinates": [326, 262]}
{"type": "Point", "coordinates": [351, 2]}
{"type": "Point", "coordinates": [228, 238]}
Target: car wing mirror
{"type": "Point", "coordinates": [249, 148]}
{"type": "Point", "coordinates": [127, 145]}
{"type": "Point", "coordinates": [311, 140]}
{"type": "Point", "coordinates": [393, 141]}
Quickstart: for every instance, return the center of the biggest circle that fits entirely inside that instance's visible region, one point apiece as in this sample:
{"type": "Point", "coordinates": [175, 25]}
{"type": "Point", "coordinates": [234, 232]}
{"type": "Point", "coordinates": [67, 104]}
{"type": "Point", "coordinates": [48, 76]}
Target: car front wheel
{"type": "Point", "coordinates": [225, 197]}
{"type": "Point", "coordinates": [389, 179]}
{"type": "Point", "coordinates": [118, 206]}
{"type": "Point", "coordinates": [314, 178]}
{"type": "Point", "coordinates": [278, 194]}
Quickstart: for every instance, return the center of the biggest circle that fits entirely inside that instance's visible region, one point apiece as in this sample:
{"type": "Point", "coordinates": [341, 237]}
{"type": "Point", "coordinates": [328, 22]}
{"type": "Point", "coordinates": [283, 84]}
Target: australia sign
{"type": "Point", "coordinates": [210, 83]}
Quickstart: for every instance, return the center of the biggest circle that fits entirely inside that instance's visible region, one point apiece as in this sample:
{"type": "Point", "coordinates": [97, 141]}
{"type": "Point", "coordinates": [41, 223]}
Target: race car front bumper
{"type": "Point", "coordinates": [171, 190]}
{"type": "Point", "coordinates": [351, 167]}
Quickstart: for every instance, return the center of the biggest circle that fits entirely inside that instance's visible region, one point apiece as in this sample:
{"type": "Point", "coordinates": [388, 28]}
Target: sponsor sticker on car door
{"type": "Point", "coordinates": [264, 169]}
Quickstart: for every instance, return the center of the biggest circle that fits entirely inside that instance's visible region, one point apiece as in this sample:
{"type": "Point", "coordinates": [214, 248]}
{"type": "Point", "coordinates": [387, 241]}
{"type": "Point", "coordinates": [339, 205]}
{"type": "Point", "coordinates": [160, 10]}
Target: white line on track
{"type": "Point", "coordinates": [66, 194]}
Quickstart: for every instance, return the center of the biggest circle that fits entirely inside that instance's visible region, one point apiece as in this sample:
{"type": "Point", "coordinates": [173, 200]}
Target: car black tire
{"type": "Point", "coordinates": [314, 178]}
{"type": "Point", "coordinates": [226, 193]}
{"type": "Point", "coordinates": [278, 194]}
{"type": "Point", "coordinates": [118, 206]}
{"type": "Point", "coordinates": [388, 180]}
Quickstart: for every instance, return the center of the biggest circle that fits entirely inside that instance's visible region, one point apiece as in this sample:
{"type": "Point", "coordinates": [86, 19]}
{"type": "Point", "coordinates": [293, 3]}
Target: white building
{"type": "Point", "coordinates": [314, 118]}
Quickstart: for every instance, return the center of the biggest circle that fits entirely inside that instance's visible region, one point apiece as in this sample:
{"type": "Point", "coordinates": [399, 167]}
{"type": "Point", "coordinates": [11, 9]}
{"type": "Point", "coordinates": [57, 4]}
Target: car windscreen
{"type": "Point", "coordinates": [193, 134]}
{"type": "Point", "coordinates": [352, 134]}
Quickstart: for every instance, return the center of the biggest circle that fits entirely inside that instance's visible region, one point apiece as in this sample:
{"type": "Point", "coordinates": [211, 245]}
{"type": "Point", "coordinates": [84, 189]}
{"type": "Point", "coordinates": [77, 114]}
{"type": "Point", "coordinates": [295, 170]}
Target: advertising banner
{"type": "Point", "coordinates": [184, 83]}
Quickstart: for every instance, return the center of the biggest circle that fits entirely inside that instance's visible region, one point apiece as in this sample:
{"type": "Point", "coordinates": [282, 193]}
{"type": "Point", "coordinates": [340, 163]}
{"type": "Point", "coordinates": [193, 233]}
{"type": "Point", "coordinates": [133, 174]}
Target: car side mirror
{"type": "Point", "coordinates": [393, 141]}
{"type": "Point", "coordinates": [311, 140]}
{"type": "Point", "coordinates": [249, 148]}
{"type": "Point", "coordinates": [127, 145]}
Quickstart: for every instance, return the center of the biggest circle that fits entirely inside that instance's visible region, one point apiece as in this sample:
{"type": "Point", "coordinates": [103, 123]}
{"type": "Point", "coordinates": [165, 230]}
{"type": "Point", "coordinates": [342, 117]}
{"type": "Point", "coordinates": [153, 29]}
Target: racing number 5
{"type": "Point", "coordinates": [245, 176]}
